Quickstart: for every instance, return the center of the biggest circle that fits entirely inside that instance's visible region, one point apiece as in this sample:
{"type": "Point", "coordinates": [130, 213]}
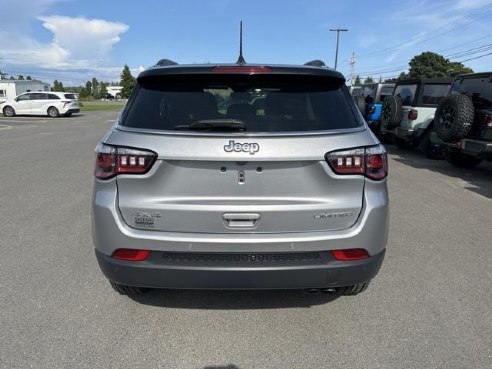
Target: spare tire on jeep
{"type": "Point", "coordinates": [361, 103]}
{"type": "Point", "coordinates": [454, 117]}
{"type": "Point", "coordinates": [392, 112]}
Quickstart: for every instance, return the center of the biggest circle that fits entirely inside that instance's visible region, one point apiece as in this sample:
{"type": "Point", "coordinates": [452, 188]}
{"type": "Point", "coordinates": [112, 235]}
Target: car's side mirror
{"type": "Point", "coordinates": [16, 99]}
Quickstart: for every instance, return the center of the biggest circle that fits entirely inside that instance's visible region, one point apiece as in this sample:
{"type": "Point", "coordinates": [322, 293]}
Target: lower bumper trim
{"type": "Point", "coordinates": [157, 275]}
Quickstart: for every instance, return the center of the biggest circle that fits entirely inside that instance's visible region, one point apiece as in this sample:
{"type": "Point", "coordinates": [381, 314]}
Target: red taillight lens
{"type": "Point", "coordinates": [242, 69]}
{"type": "Point", "coordinates": [350, 254]}
{"type": "Point", "coordinates": [131, 255]}
{"type": "Point", "coordinates": [488, 121]}
{"type": "Point", "coordinates": [112, 160]}
{"type": "Point", "coordinates": [376, 163]}
{"type": "Point", "coordinates": [370, 161]}
{"type": "Point", "coordinates": [412, 114]}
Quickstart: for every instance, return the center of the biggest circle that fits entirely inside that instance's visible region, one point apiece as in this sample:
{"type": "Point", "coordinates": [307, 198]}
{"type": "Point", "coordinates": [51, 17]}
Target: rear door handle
{"type": "Point", "coordinates": [241, 220]}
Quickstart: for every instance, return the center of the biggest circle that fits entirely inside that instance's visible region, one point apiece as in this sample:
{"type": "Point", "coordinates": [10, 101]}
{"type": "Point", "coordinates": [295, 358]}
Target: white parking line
{"type": "Point", "coordinates": [4, 126]}
{"type": "Point", "coordinates": [21, 121]}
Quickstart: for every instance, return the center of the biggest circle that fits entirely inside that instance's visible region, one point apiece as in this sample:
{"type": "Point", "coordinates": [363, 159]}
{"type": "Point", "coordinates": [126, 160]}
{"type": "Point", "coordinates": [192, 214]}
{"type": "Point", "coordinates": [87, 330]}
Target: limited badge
{"type": "Point", "coordinates": [145, 219]}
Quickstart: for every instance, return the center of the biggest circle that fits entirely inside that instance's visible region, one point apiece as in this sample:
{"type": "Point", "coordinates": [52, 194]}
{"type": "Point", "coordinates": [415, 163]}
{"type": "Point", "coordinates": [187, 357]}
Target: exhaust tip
{"type": "Point", "coordinates": [312, 291]}
{"type": "Point", "coordinates": [328, 290]}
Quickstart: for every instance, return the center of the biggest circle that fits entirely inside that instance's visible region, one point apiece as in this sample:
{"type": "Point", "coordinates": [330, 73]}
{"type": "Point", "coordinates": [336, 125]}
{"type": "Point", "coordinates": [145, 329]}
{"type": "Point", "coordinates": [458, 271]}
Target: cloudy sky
{"type": "Point", "coordinates": [75, 40]}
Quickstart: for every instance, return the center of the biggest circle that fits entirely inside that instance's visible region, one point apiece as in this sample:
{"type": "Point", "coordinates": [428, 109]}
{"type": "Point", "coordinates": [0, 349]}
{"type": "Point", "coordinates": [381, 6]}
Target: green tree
{"type": "Point", "coordinates": [458, 68]}
{"type": "Point", "coordinates": [83, 92]}
{"type": "Point", "coordinates": [57, 86]}
{"type": "Point", "coordinates": [104, 88]}
{"type": "Point", "coordinates": [431, 65]}
{"type": "Point", "coordinates": [402, 76]}
{"type": "Point", "coordinates": [127, 82]}
{"type": "Point", "coordinates": [357, 81]}
{"type": "Point", "coordinates": [368, 80]}
{"type": "Point", "coordinates": [29, 78]}
{"type": "Point", "coordinates": [88, 88]}
{"type": "Point", "coordinates": [20, 77]}
{"type": "Point", "coordinates": [12, 77]}
{"type": "Point", "coordinates": [95, 88]}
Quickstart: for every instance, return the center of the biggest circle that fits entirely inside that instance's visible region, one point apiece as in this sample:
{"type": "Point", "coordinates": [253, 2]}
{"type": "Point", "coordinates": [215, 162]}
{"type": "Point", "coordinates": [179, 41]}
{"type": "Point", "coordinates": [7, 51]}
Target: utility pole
{"type": "Point", "coordinates": [337, 30]}
{"type": "Point", "coordinates": [352, 66]}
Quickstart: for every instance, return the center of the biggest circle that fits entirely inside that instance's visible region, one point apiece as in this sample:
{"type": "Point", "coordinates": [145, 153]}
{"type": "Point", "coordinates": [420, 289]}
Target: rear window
{"type": "Point", "coordinates": [386, 91]}
{"type": "Point", "coordinates": [433, 94]}
{"type": "Point", "coordinates": [355, 91]}
{"type": "Point", "coordinates": [478, 89]}
{"type": "Point", "coordinates": [70, 96]}
{"type": "Point", "coordinates": [406, 93]}
{"type": "Point", "coordinates": [273, 103]}
{"type": "Point", "coordinates": [369, 91]}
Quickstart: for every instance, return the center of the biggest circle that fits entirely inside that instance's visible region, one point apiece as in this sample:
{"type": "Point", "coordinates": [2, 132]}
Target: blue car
{"type": "Point", "coordinates": [370, 102]}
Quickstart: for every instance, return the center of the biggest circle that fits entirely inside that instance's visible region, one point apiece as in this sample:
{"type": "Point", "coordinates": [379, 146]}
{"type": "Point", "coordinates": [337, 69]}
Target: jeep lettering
{"type": "Point", "coordinates": [252, 148]}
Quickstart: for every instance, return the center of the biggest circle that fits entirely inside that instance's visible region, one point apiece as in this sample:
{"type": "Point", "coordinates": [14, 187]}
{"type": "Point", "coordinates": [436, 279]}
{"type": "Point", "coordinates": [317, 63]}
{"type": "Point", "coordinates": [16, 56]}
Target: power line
{"type": "Point", "coordinates": [477, 57]}
{"type": "Point", "coordinates": [421, 38]}
{"type": "Point", "coordinates": [455, 56]}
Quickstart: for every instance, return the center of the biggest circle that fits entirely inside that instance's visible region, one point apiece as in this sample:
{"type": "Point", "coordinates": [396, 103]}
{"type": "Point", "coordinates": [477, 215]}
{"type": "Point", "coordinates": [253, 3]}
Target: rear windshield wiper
{"type": "Point", "coordinates": [214, 125]}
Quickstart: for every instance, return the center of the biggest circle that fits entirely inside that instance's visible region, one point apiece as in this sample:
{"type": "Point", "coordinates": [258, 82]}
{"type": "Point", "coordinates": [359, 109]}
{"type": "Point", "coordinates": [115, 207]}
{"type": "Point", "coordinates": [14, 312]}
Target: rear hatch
{"type": "Point", "coordinates": [71, 101]}
{"type": "Point", "coordinates": [420, 101]}
{"type": "Point", "coordinates": [240, 153]}
{"type": "Point", "coordinates": [479, 88]}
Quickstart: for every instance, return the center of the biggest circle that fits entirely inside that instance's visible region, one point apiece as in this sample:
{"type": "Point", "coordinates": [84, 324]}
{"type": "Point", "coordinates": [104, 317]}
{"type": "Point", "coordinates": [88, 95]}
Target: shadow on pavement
{"type": "Point", "coordinates": [478, 178]}
{"type": "Point", "coordinates": [231, 366]}
{"type": "Point", "coordinates": [233, 300]}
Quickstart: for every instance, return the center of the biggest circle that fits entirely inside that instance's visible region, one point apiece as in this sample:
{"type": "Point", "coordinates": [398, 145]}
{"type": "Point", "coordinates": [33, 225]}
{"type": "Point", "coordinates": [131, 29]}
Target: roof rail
{"type": "Point", "coordinates": [316, 63]}
{"type": "Point", "coordinates": [165, 62]}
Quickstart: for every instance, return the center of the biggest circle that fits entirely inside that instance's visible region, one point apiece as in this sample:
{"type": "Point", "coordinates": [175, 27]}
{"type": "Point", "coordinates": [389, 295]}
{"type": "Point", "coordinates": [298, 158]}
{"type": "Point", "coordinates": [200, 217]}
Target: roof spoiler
{"type": "Point", "coordinates": [165, 63]}
{"type": "Point", "coordinates": [316, 63]}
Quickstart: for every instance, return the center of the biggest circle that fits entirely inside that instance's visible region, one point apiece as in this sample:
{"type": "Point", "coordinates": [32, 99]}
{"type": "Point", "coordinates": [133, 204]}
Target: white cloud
{"type": "Point", "coordinates": [84, 39]}
{"type": "Point", "coordinates": [79, 45]}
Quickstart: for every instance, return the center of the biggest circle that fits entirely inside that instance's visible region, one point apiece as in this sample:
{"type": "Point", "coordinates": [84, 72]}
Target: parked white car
{"type": "Point", "coordinates": [52, 104]}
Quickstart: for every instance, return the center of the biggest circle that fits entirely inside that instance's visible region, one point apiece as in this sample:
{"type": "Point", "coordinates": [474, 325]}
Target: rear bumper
{"type": "Point", "coordinates": [409, 133]}
{"type": "Point", "coordinates": [157, 272]}
{"type": "Point", "coordinates": [73, 110]}
{"type": "Point", "coordinates": [476, 148]}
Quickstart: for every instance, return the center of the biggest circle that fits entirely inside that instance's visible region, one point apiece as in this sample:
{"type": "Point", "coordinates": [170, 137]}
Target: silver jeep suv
{"type": "Point", "coordinates": [240, 177]}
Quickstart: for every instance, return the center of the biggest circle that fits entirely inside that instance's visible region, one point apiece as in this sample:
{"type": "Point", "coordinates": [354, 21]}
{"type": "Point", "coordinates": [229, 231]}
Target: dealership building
{"type": "Point", "coordinates": [10, 88]}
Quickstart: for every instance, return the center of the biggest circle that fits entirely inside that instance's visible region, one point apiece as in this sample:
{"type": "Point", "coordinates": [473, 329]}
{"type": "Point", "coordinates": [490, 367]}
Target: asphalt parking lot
{"type": "Point", "coordinates": [430, 306]}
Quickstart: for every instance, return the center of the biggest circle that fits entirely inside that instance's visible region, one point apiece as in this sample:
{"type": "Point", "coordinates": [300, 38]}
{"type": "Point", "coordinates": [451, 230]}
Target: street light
{"type": "Point", "coordinates": [337, 30]}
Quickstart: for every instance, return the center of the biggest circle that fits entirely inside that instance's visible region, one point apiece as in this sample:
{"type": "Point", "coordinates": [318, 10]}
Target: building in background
{"type": "Point", "coordinates": [10, 88]}
{"type": "Point", "coordinates": [114, 91]}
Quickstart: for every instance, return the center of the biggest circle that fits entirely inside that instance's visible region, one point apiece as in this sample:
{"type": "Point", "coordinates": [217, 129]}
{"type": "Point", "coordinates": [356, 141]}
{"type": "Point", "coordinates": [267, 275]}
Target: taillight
{"type": "Point", "coordinates": [113, 160]}
{"type": "Point", "coordinates": [370, 161]}
{"type": "Point", "coordinates": [242, 69]}
{"type": "Point", "coordinates": [350, 254]}
{"type": "Point", "coordinates": [412, 114]}
{"type": "Point", "coordinates": [131, 254]}
{"type": "Point", "coordinates": [488, 121]}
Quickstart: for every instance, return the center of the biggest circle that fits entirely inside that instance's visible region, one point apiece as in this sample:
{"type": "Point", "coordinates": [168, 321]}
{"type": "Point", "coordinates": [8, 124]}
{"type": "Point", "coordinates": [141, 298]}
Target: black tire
{"type": "Point", "coordinates": [127, 290]}
{"type": "Point", "coordinates": [460, 159]}
{"type": "Point", "coordinates": [361, 103]}
{"type": "Point", "coordinates": [8, 111]}
{"type": "Point", "coordinates": [352, 290]}
{"type": "Point", "coordinates": [406, 145]}
{"type": "Point", "coordinates": [53, 112]}
{"type": "Point", "coordinates": [454, 117]}
{"type": "Point", "coordinates": [429, 149]}
{"type": "Point", "coordinates": [392, 112]}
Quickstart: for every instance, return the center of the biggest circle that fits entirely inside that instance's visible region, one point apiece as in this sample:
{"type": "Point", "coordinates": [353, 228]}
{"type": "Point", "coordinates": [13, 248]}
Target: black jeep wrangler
{"type": "Point", "coordinates": [463, 121]}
